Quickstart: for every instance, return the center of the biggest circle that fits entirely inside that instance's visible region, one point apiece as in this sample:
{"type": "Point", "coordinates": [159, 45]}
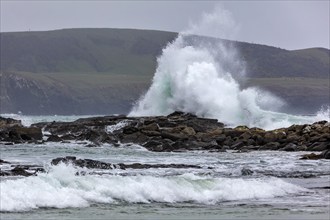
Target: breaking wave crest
{"type": "Point", "coordinates": [200, 76]}
{"type": "Point", "coordinates": [61, 188]}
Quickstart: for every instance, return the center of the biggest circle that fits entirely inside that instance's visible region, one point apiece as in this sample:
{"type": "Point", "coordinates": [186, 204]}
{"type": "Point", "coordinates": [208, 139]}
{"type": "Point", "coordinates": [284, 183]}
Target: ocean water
{"type": "Point", "coordinates": [281, 186]}
{"type": "Point", "coordinates": [191, 76]}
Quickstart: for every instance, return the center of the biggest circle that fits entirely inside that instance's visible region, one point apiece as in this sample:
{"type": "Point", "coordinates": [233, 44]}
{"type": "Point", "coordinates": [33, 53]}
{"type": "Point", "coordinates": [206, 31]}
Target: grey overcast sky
{"type": "Point", "coordinates": [285, 24]}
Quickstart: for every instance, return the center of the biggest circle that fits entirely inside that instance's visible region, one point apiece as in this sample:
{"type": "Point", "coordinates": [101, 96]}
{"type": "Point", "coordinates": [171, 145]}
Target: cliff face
{"type": "Point", "coordinates": [44, 94]}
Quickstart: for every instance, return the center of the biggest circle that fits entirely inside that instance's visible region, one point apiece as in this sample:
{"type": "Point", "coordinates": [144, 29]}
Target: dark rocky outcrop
{"type": "Point", "coordinates": [95, 164]}
{"type": "Point", "coordinates": [12, 131]}
{"type": "Point", "coordinates": [30, 170]}
{"type": "Point", "coordinates": [176, 132]}
{"type": "Point", "coordinates": [312, 156]}
{"type": "Point", "coordinates": [22, 170]}
{"type": "Point", "coordinates": [9, 122]}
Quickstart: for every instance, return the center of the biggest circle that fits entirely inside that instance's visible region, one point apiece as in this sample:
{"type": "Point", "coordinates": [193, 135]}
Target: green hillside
{"type": "Point", "coordinates": [104, 71]}
{"type": "Point", "coordinates": [83, 50]}
{"type": "Point", "coordinates": [126, 51]}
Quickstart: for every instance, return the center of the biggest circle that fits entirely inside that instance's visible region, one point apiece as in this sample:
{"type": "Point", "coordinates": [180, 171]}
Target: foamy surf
{"type": "Point", "coordinates": [201, 78]}
{"type": "Point", "coordinates": [61, 188]}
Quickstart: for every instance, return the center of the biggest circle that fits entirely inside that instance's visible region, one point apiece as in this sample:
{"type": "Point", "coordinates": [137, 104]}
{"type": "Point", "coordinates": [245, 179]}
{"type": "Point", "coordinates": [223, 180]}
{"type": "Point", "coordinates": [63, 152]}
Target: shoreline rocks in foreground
{"type": "Point", "coordinates": [176, 132]}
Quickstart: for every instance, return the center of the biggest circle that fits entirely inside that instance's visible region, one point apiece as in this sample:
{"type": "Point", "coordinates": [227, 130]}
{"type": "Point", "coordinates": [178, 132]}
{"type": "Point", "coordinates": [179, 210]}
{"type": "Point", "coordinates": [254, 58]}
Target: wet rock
{"type": "Point", "coordinates": [238, 145]}
{"type": "Point", "coordinates": [137, 138]}
{"type": "Point", "coordinates": [94, 164]}
{"type": "Point", "coordinates": [156, 146]}
{"type": "Point", "coordinates": [148, 166]}
{"type": "Point", "coordinates": [176, 132]}
{"type": "Point", "coordinates": [130, 130]}
{"type": "Point", "coordinates": [290, 147]}
{"type": "Point", "coordinates": [4, 173]}
{"type": "Point", "coordinates": [301, 147]}
{"type": "Point", "coordinates": [54, 138]}
{"type": "Point", "coordinates": [220, 139]}
{"type": "Point", "coordinates": [3, 161]}
{"type": "Point", "coordinates": [22, 170]}
{"type": "Point", "coordinates": [18, 171]}
{"type": "Point", "coordinates": [270, 146]}
{"type": "Point", "coordinates": [9, 122]}
{"type": "Point", "coordinates": [274, 136]}
{"type": "Point", "coordinates": [173, 135]}
{"type": "Point", "coordinates": [93, 145]}
{"type": "Point", "coordinates": [319, 146]}
{"type": "Point", "coordinates": [150, 127]}
{"type": "Point", "coordinates": [246, 172]}
{"type": "Point", "coordinates": [19, 134]}
{"type": "Point", "coordinates": [233, 133]}
{"type": "Point", "coordinates": [249, 148]}
{"type": "Point", "coordinates": [326, 154]}
{"type": "Point", "coordinates": [311, 156]}
{"type": "Point", "coordinates": [88, 163]}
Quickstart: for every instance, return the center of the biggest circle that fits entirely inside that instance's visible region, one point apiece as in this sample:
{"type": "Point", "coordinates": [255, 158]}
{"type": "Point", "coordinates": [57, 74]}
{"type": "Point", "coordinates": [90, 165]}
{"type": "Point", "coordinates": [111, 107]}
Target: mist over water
{"type": "Point", "coordinates": [201, 77]}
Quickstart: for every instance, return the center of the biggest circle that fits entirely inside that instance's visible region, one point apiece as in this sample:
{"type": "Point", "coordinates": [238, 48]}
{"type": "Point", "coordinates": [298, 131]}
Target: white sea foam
{"type": "Point", "coordinates": [119, 125]}
{"type": "Point", "coordinates": [61, 188]}
{"type": "Point", "coordinates": [201, 78]}
{"type": "Point", "coordinates": [27, 120]}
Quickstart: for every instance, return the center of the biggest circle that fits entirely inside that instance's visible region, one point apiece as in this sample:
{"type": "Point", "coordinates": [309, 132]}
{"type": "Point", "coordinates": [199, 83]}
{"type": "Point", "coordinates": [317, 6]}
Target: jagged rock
{"type": "Point", "coordinates": [270, 146]}
{"type": "Point", "coordinates": [173, 135]}
{"type": "Point", "coordinates": [156, 146]}
{"type": "Point", "coordinates": [21, 170]}
{"type": "Point", "coordinates": [326, 154]}
{"type": "Point", "coordinates": [130, 130]}
{"type": "Point", "coordinates": [3, 161]}
{"type": "Point", "coordinates": [150, 127]}
{"type": "Point", "coordinates": [238, 145]}
{"type": "Point", "coordinates": [88, 163]}
{"type": "Point", "coordinates": [176, 132]}
{"type": "Point", "coordinates": [137, 137]}
{"type": "Point", "coordinates": [246, 172]}
{"type": "Point", "coordinates": [319, 146]}
{"type": "Point", "coordinates": [274, 136]}
{"type": "Point", "coordinates": [311, 156]}
{"type": "Point", "coordinates": [94, 164]}
{"type": "Point", "coordinates": [290, 147]}
{"type": "Point", "coordinates": [233, 133]}
{"type": "Point", "coordinates": [54, 138]}
{"type": "Point", "coordinates": [19, 134]}
{"type": "Point", "coordinates": [9, 122]}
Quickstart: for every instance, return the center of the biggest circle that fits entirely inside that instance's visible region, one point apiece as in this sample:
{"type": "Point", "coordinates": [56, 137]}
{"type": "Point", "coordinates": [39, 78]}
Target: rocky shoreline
{"type": "Point", "coordinates": [177, 132]}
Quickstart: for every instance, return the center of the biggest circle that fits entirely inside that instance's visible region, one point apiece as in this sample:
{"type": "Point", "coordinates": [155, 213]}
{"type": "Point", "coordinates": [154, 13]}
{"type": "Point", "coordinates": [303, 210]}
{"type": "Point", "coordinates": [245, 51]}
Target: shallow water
{"type": "Point", "coordinates": [277, 188]}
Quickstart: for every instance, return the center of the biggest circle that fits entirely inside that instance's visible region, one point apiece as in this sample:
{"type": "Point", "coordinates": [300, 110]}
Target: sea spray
{"type": "Point", "coordinates": [201, 77]}
{"type": "Point", "coordinates": [61, 187]}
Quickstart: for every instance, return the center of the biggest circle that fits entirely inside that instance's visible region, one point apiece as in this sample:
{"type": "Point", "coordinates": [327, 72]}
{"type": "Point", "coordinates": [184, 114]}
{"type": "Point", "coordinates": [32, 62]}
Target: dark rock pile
{"type": "Point", "coordinates": [30, 170]}
{"type": "Point", "coordinates": [12, 131]}
{"type": "Point", "coordinates": [20, 170]}
{"type": "Point", "coordinates": [95, 164]}
{"type": "Point", "coordinates": [175, 132]}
